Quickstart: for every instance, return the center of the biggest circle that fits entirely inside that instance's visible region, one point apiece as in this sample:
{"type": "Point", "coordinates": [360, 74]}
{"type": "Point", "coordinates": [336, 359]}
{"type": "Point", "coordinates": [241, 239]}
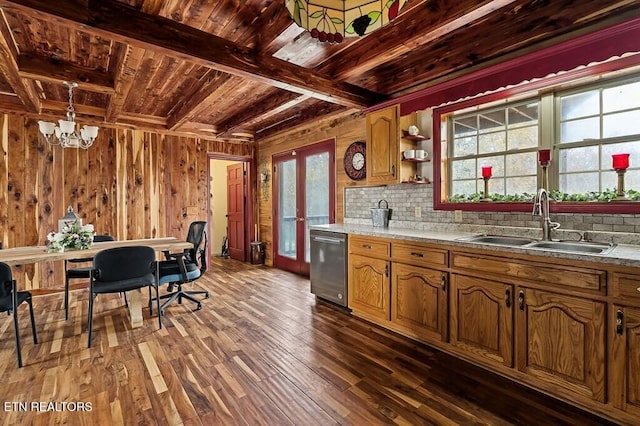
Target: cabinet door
{"type": "Point", "coordinates": [419, 301]}
{"type": "Point", "coordinates": [369, 286]}
{"type": "Point", "coordinates": [482, 318]}
{"type": "Point", "coordinates": [624, 378]}
{"type": "Point", "coordinates": [562, 341]}
{"type": "Point", "coordinates": [382, 146]}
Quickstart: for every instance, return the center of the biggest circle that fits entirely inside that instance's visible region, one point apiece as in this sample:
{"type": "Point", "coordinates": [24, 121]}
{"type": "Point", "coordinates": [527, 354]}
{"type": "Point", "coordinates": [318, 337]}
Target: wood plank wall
{"type": "Point", "coordinates": [344, 130]}
{"type": "Point", "coordinates": [130, 184]}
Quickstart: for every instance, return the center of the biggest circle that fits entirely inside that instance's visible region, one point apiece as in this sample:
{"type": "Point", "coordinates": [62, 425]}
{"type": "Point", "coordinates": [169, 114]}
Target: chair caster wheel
{"type": "Point", "coordinates": [206, 296]}
{"type": "Point", "coordinates": [199, 307]}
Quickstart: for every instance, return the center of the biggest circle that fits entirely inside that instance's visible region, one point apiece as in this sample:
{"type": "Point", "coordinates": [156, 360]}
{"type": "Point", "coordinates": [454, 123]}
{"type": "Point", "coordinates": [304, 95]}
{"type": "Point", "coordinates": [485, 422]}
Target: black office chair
{"type": "Point", "coordinates": [10, 299]}
{"type": "Point", "coordinates": [123, 269]}
{"type": "Point", "coordinates": [81, 272]}
{"type": "Point", "coordinates": [182, 268]}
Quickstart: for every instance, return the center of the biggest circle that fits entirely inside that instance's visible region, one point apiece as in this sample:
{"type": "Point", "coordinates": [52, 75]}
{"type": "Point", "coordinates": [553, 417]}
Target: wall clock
{"type": "Point", "coordinates": [354, 161]}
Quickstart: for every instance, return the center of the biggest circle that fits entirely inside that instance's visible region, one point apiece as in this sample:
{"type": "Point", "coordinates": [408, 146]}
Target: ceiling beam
{"type": "Point", "coordinates": [199, 100]}
{"type": "Point", "coordinates": [112, 19]}
{"type": "Point", "coordinates": [25, 90]}
{"type": "Point", "coordinates": [128, 64]}
{"type": "Point", "coordinates": [273, 103]}
{"type": "Point", "coordinates": [302, 117]}
{"type": "Point", "coordinates": [54, 71]}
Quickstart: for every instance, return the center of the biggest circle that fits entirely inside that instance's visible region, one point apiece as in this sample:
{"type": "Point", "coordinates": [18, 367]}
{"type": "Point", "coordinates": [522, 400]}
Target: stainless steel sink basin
{"type": "Point", "coordinates": [498, 239]}
{"type": "Point", "coordinates": [574, 246]}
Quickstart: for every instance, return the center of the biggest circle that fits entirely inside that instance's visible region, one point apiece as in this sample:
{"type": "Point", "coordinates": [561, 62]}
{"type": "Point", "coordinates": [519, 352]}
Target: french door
{"type": "Point", "coordinates": [304, 195]}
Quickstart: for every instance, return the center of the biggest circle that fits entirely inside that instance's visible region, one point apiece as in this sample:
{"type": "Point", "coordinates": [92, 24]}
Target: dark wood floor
{"type": "Point", "coordinates": [262, 351]}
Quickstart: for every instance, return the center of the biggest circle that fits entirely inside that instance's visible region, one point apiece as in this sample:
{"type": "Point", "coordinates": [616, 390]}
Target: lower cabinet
{"type": "Point", "coordinates": [419, 301]}
{"type": "Point", "coordinates": [482, 318]}
{"type": "Point", "coordinates": [624, 378]}
{"type": "Point", "coordinates": [369, 286]}
{"type": "Point", "coordinates": [562, 341]}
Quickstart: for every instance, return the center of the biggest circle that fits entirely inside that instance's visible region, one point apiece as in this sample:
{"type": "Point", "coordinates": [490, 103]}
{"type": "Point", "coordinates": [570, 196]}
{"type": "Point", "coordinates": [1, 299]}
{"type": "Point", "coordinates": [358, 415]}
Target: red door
{"type": "Point", "coordinates": [235, 211]}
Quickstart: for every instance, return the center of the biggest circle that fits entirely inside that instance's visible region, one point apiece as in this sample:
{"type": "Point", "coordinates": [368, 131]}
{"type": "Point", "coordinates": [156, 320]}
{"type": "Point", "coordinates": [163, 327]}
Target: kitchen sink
{"type": "Point", "coordinates": [574, 246]}
{"type": "Point", "coordinates": [498, 239]}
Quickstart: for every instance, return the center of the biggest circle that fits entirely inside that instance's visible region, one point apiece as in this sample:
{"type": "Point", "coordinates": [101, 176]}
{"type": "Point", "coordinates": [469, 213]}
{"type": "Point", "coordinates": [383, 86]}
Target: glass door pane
{"type": "Point", "coordinates": [317, 195]}
{"type": "Point", "coordinates": [287, 207]}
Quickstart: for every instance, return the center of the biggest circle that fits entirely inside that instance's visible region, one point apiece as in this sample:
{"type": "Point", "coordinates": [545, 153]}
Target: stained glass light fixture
{"type": "Point", "coordinates": [333, 20]}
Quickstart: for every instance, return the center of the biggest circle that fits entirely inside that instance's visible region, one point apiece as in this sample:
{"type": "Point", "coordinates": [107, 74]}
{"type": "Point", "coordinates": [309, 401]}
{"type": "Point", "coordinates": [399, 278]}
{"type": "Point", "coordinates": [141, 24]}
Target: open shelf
{"type": "Point", "coordinates": [417, 182]}
{"type": "Point", "coordinates": [416, 160]}
{"type": "Point", "coordinates": [416, 138]}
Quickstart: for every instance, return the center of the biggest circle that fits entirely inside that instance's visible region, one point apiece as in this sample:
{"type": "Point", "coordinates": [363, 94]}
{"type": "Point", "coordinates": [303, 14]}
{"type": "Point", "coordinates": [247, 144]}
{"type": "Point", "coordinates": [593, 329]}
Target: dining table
{"type": "Point", "coordinates": [33, 254]}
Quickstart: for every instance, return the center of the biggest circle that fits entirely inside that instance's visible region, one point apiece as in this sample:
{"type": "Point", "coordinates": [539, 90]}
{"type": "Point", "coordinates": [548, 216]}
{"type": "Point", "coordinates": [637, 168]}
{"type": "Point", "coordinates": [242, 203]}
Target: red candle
{"type": "Point", "coordinates": [620, 161]}
{"type": "Point", "coordinates": [544, 155]}
{"type": "Point", "coordinates": [486, 171]}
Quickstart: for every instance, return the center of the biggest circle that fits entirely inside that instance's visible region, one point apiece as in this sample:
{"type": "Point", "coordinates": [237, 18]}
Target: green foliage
{"type": "Point", "coordinates": [605, 196]}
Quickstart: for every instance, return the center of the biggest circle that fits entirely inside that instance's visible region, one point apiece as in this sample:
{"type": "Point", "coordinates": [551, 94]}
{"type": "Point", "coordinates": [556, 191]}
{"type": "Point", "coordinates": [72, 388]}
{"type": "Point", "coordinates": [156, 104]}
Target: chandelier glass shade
{"type": "Point", "coordinates": [65, 133]}
{"type": "Point", "coordinates": [333, 20]}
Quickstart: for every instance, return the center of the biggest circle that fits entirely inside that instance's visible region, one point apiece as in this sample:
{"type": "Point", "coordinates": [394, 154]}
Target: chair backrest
{"type": "Point", "coordinates": [122, 263]}
{"type": "Point", "coordinates": [198, 237]}
{"type": "Point", "coordinates": [102, 238]}
{"type": "Point", "coordinates": [5, 278]}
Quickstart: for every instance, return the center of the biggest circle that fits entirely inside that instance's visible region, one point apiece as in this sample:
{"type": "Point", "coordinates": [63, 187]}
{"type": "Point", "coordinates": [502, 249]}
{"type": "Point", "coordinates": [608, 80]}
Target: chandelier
{"type": "Point", "coordinates": [65, 132]}
{"type": "Point", "coordinates": [333, 20]}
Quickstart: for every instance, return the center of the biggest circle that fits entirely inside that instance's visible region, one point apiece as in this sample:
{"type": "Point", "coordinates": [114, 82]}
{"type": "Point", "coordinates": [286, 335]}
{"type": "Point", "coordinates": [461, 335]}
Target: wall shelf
{"type": "Point", "coordinates": [416, 160]}
{"type": "Point", "coordinates": [416, 138]}
{"type": "Point", "coordinates": [417, 182]}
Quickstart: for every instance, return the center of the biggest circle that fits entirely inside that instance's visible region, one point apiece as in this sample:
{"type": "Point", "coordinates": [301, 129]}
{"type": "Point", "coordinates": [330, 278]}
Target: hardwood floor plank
{"type": "Point", "coordinates": [262, 351]}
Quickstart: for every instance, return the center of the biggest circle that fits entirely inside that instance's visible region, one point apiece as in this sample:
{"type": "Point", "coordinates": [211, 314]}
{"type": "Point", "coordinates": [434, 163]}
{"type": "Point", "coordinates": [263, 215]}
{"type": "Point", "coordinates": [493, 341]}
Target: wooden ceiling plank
{"type": "Point", "coordinates": [25, 90]}
{"type": "Point", "coordinates": [125, 23]}
{"type": "Point", "coordinates": [274, 103]}
{"type": "Point", "coordinates": [44, 69]}
{"type": "Point", "coordinates": [287, 123]}
{"type": "Point", "coordinates": [127, 69]}
{"type": "Point", "coordinates": [199, 100]}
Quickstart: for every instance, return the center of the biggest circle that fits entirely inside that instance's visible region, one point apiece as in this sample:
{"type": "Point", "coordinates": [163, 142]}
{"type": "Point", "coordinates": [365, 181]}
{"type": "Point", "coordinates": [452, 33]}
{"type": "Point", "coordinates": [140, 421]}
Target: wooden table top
{"type": "Point", "coordinates": [35, 254]}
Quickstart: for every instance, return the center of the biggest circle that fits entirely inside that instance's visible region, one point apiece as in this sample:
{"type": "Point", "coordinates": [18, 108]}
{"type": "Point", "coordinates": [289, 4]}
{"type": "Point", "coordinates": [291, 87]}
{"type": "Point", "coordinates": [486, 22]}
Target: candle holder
{"type": "Point", "coordinates": [620, 165]}
{"type": "Point", "coordinates": [486, 189]}
{"type": "Point", "coordinates": [545, 174]}
{"type": "Point", "coordinates": [620, 195]}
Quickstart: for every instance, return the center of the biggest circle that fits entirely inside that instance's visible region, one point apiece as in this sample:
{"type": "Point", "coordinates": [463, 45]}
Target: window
{"type": "Point", "coordinates": [582, 126]}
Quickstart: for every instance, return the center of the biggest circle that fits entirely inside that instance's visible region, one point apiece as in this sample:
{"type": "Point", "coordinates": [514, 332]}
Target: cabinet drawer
{"type": "Point", "coordinates": [416, 254]}
{"type": "Point", "coordinates": [369, 246]}
{"type": "Point", "coordinates": [626, 285]}
{"type": "Point", "coordinates": [568, 276]}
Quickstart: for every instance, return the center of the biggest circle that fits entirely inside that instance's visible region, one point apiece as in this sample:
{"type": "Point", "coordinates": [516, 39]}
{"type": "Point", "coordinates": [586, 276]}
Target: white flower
{"type": "Point", "coordinates": [88, 228]}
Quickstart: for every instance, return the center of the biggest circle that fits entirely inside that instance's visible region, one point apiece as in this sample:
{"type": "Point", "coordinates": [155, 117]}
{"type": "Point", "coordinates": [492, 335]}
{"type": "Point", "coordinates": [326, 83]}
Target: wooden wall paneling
{"type": "Point", "coordinates": [345, 130]}
{"type": "Point", "coordinates": [162, 185]}
{"type": "Point", "coordinates": [109, 203]}
{"type": "Point", "coordinates": [121, 183]}
{"type": "Point", "coordinates": [48, 221]}
{"type": "Point", "coordinates": [82, 196]}
{"type": "Point", "coordinates": [151, 185]}
{"type": "Point", "coordinates": [70, 178]}
{"type": "Point", "coordinates": [31, 184]}
{"type": "Point", "coordinates": [59, 207]}
{"type": "Point", "coordinates": [138, 216]}
{"type": "Point", "coordinates": [15, 191]}
{"type": "Point", "coordinates": [4, 171]}
{"type": "Point", "coordinates": [90, 205]}
{"type": "Point", "coordinates": [201, 179]}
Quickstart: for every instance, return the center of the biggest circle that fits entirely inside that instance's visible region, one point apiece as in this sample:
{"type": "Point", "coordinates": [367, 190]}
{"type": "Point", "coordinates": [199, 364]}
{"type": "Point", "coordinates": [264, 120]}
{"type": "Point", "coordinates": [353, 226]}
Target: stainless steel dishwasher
{"type": "Point", "coordinates": [328, 272]}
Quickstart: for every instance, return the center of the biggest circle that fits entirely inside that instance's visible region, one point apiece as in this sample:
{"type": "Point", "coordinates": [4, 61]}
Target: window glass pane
{"type": "Point", "coordinates": [579, 130]}
{"type": "Point", "coordinates": [496, 186]}
{"type": "Point", "coordinates": [632, 148]}
{"type": "Point", "coordinates": [524, 137]}
{"type": "Point", "coordinates": [622, 97]}
{"type": "Point", "coordinates": [491, 121]}
{"type": "Point", "coordinates": [579, 105]}
{"type": "Point", "coordinates": [609, 180]}
{"type": "Point", "coordinates": [519, 185]}
{"type": "Point", "coordinates": [492, 142]}
{"type": "Point", "coordinates": [287, 205]}
{"type": "Point", "coordinates": [522, 164]}
{"type": "Point", "coordinates": [465, 146]}
{"type": "Point", "coordinates": [579, 182]}
{"type": "Point", "coordinates": [523, 114]}
{"type": "Point", "coordinates": [464, 187]}
{"type": "Point", "coordinates": [464, 169]}
{"type": "Point", "coordinates": [465, 126]}
{"type": "Point", "coordinates": [621, 124]}
{"type": "Point", "coordinates": [579, 159]}
{"type": "Point", "coordinates": [632, 180]}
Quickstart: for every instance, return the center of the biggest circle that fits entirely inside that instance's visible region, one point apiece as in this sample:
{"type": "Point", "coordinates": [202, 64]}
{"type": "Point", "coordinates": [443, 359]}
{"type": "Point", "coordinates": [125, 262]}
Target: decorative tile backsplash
{"type": "Point", "coordinates": [405, 200]}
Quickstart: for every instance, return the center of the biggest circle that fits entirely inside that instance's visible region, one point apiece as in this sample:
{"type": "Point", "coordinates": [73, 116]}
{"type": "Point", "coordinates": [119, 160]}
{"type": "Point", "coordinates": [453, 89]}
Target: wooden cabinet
{"type": "Point", "coordinates": [561, 341]}
{"type": "Point", "coordinates": [482, 321]}
{"type": "Point", "coordinates": [624, 376]}
{"type": "Point", "coordinates": [369, 286]}
{"type": "Point", "coordinates": [382, 146]}
{"type": "Point", "coordinates": [419, 301]}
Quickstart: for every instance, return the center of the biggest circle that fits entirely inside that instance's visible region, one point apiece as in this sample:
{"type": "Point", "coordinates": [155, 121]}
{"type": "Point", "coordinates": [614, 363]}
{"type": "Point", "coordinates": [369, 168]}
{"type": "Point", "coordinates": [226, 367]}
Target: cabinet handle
{"type": "Point", "coordinates": [386, 270]}
{"type": "Point", "coordinates": [507, 297]}
{"type": "Point", "coordinates": [443, 282]}
{"type": "Point", "coordinates": [521, 300]}
{"type": "Point", "coordinates": [367, 246]}
{"type": "Point", "coordinates": [393, 170]}
{"type": "Point", "coordinates": [413, 253]}
{"type": "Point", "coordinates": [619, 318]}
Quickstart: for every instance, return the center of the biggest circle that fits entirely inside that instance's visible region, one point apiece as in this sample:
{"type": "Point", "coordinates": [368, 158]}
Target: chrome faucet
{"type": "Point", "coordinates": [541, 208]}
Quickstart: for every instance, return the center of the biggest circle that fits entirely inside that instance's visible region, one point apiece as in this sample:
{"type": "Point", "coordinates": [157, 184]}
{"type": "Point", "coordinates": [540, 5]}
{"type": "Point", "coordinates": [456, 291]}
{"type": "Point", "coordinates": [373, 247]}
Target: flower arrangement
{"type": "Point", "coordinates": [73, 236]}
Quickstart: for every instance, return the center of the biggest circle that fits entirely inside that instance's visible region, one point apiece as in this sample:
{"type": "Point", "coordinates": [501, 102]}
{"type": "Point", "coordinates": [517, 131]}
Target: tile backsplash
{"type": "Point", "coordinates": [409, 201]}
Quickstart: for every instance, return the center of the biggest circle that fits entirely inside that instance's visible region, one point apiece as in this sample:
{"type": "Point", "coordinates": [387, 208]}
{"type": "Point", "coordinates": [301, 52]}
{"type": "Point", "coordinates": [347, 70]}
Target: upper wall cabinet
{"type": "Point", "coordinates": [382, 146]}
